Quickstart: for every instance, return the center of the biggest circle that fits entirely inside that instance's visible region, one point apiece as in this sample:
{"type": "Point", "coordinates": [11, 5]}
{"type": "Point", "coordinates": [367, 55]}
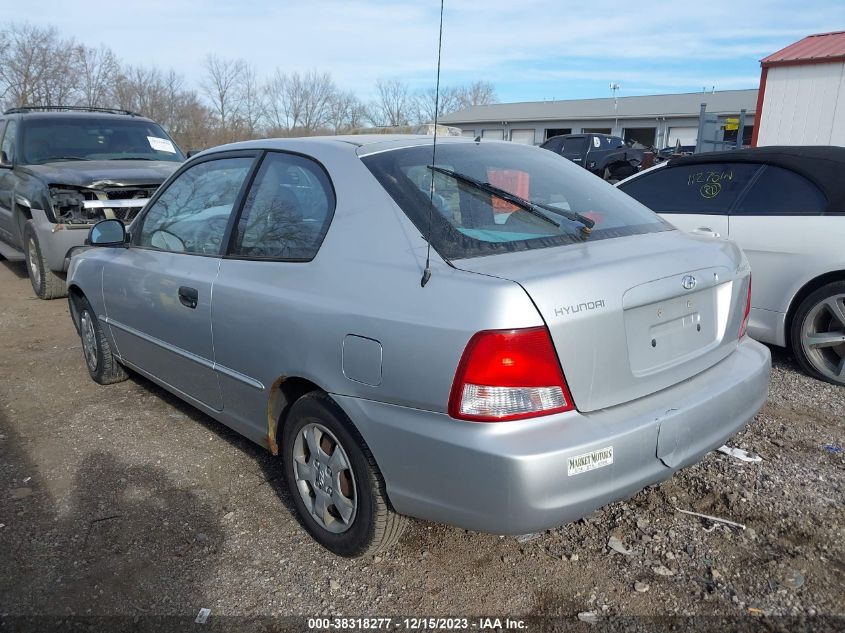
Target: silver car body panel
{"type": "Point", "coordinates": [152, 329]}
{"type": "Point", "coordinates": [513, 478]}
{"type": "Point", "coordinates": [627, 293]}
{"type": "Point", "coordinates": [356, 322]}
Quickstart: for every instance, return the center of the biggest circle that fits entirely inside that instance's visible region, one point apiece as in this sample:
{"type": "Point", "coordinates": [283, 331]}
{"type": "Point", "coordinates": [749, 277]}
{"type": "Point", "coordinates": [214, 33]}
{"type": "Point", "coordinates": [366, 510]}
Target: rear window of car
{"type": "Point", "coordinates": [468, 222]}
{"type": "Point", "coordinates": [710, 188]}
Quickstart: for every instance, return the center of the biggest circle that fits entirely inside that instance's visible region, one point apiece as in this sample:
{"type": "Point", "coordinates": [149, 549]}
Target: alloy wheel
{"type": "Point", "coordinates": [324, 478]}
{"type": "Point", "coordinates": [823, 337]}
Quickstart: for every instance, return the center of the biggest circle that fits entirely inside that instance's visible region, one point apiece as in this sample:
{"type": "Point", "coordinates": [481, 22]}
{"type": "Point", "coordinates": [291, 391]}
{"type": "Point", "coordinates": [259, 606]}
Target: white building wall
{"type": "Point", "coordinates": [667, 128]}
{"type": "Point", "coordinates": [804, 105]}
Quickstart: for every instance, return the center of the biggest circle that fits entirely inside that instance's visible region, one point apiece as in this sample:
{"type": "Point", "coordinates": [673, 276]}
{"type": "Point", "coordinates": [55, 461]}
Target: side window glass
{"type": "Point", "coordinates": [708, 189]}
{"type": "Point", "coordinates": [191, 215]}
{"type": "Point", "coordinates": [8, 144]}
{"type": "Point", "coordinates": [780, 191]}
{"type": "Point", "coordinates": [287, 211]}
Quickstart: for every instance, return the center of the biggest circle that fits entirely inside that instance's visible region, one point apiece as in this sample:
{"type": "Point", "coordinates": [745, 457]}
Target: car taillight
{"type": "Point", "coordinates": [744, 326]}
{"type": "Point", "coordinates": [509, 375]}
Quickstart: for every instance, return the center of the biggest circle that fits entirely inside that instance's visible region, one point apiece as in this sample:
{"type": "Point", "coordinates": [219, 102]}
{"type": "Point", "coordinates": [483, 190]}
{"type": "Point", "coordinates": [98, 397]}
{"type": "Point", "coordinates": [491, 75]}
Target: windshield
{"type": "Point", "coordinates": [90, 138]}
{"type": "Point", "coordinates": [469, 221]}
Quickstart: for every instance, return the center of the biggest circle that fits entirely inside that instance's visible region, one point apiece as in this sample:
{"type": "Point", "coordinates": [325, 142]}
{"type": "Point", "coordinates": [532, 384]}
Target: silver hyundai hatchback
{"type": "Point", "coordinates": [559, 346]}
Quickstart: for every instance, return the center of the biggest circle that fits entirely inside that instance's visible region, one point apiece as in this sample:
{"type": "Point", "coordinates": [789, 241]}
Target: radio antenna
{"type": "Point", "coordinates": [427, 272]}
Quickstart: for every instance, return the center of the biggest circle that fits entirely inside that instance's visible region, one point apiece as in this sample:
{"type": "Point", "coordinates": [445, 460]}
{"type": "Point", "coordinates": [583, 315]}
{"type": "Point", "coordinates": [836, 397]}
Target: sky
{"type": "Point", "coordinates": [529, 49]}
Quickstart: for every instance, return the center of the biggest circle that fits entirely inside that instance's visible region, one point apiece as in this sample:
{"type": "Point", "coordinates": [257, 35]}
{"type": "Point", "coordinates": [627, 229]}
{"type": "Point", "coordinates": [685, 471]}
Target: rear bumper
{"type": "Point", "coordinates": [511, 478]}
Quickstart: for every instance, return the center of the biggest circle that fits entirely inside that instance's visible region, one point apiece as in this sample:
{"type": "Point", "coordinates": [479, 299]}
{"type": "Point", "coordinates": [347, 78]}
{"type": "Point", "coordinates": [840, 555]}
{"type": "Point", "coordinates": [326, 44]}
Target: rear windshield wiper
{"type": "Point", "coordinates": [534, 208]}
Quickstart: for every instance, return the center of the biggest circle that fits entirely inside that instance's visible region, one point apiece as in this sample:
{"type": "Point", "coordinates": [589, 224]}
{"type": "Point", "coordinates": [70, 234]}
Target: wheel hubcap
{"type": "Point", "coordinates": [89, 339]}
{"type": "Point", "coordinates": [34, 271]}
{"type": "Point", "coordinates": [823, 337]}
{"type": "Point", "coordinates": [324, 478]}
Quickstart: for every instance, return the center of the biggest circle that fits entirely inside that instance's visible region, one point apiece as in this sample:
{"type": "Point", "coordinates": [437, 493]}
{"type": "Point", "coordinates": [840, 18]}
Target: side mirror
{"type": "Point", "coordinates": [193, 152]}
{"type": "Point", "coordinates": [4, 161]}
{"type": "Point", "coordinates": [107, 233]}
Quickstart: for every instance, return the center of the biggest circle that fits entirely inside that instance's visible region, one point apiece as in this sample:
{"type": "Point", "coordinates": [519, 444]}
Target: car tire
{"type": "Point", "coordinates": [99, 359]}
{"type": "Point", "coordinates": [818, 333]}
{"type": "Point", "coordinates": [46, 283]}
{"type": "Point", "coordinates": [338, 478]}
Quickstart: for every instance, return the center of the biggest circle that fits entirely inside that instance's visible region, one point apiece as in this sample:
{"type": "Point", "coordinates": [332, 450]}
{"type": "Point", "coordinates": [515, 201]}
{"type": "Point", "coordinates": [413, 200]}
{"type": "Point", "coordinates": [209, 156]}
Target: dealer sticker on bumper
{"type": "Point", "coordinates": [590, 461]}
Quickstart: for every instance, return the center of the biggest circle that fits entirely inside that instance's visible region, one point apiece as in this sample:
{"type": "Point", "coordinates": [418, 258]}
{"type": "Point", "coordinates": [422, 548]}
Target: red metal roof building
{"type": "Point", "coordinates": [801, 100]}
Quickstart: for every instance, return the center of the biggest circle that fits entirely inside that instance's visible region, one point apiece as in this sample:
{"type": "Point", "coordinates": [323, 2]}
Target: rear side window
{"type": "Point", "coordinates": [709, 189]}
{"type": "Point", "coordinates": [780, 191]}
{"type": "Point", "coordinates": [576, 145]}
{"type": "Point", "coordinates": [553, 145]}
{"type": "Point", "coordinates": [467, 221]}
{"type": "Point", "coordinates": [287, 211]}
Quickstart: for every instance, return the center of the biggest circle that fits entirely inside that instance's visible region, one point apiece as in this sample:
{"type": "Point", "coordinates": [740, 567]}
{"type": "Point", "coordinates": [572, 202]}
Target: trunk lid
{"type": "Point", "coordinates": [632, 315]}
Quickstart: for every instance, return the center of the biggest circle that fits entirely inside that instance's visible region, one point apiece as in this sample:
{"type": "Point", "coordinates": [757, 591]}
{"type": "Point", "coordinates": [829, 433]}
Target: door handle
{"type": "Point", "coordinates": [188, 297]}
{"type": "Point", "coordinates": [706, 230]}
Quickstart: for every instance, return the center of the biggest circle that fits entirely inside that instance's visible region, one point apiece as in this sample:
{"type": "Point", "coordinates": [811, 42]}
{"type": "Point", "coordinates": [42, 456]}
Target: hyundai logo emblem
{"type": "Point", "coordinates": [688, 282]}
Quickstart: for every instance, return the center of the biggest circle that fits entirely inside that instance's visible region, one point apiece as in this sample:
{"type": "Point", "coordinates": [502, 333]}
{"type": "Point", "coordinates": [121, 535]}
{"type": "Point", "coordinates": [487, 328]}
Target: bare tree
{"type": "Point", "coordinates": [359, 114]}
{"type": "Point", "coordinates": [300, 103]}
{"type": "Point", "coordinates": [38, 67]}
{"type": "Point", "coordinates": [395, 105]}
{"type": "Point", "coordinates": [278, 105]}
{"type": "Point", "coordinates": [141, 90]}
{"type": "Point", "coordinates": [193, 127]}
{"type": "Point", "coordinates": [163, 98]}
{"type": "Point", "coordinates": [222, 85]}
{"type": "Point", "coordinates": [425, 103]}
{"type": "Point", "coordinates": [98, 72]}
{"type": "Point", "coordinates": [5, 87]}
{"type": "Point", "coordinates": [341, 103]}
{"type": "Point", "coordinates": [253, 108]}
{"type": "Point", "coordinates": [476, 93]}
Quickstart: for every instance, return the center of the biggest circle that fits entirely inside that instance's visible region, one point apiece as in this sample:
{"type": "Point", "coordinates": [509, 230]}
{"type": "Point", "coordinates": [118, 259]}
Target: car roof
{"type": "Point", "coordinates": [823, 165]}
{"type": "Point", "coordinates": [75, 114]}
{"type": "Point", "coordinates": [362, 144]}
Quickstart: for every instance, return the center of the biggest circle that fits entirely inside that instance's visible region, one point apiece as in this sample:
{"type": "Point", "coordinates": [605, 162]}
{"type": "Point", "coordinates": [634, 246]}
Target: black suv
{"type": "Point", "coordinates": [63, 169]}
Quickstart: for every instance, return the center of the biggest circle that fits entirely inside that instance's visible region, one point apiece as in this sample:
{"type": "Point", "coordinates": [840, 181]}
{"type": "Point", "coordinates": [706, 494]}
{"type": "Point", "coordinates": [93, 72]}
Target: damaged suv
{"type": "Point", "coordinates": [63, 169]}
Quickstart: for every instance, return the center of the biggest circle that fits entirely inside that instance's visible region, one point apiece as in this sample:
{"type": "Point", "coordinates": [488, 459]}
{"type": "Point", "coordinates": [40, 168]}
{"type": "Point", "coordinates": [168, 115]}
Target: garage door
{"type": "Point", "coordinates": [526, 137]}
{"type": "Point", "coordinates": [687, 136]}
{"type": "Point", "coordinates": [493, 135]}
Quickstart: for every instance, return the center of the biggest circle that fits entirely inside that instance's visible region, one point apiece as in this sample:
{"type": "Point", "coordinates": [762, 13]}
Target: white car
{"type": "Point", "coordinates": [785, 207]}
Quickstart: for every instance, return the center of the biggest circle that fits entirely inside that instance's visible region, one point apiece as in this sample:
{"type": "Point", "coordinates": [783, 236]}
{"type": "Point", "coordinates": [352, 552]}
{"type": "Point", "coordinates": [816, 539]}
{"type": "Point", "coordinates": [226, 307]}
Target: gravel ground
{"type": "Point", "coordinates": [124, 501]}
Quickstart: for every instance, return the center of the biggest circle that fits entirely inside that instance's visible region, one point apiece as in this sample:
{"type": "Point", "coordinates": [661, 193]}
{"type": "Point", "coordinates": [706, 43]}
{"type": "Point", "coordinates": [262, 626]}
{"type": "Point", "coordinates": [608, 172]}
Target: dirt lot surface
{"type": "Point", "coordinates": [124, 501]}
